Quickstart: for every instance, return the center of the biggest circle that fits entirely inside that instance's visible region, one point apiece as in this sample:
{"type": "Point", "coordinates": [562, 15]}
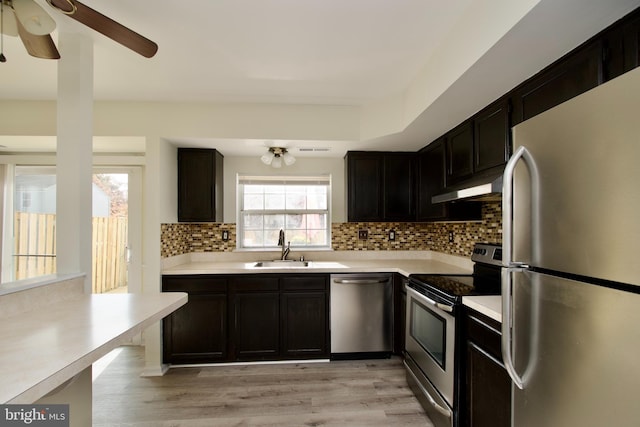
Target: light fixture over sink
{"type": "Point", "coordinates": [276, 155]}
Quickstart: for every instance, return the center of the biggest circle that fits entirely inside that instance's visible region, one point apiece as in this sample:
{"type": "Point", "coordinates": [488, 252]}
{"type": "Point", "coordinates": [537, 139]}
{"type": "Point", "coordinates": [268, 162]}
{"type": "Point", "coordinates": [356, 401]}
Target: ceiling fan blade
{"type": "Point", "coordinates": [9, 26]}
{"type": "Point", "coordinates": [38, 46]}
{"type": "Point", "coordinates": [33, 18]}
{"type": "Point", "coordinates": [107, 26]}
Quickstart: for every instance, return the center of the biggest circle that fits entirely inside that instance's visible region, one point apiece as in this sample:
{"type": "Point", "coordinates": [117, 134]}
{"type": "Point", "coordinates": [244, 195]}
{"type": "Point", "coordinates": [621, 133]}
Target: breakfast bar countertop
{"type": "Point", "coordinates": [46, 346]}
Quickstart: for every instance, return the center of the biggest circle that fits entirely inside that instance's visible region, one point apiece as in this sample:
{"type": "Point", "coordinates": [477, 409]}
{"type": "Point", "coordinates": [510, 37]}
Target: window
{"type": "Point", "coordinates": [297, 205]}
{"type": "Point", "coordinates": [34, 223]}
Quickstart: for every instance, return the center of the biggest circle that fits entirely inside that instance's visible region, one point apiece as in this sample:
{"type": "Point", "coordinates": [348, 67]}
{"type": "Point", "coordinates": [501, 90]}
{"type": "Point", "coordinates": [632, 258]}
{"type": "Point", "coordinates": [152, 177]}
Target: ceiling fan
{"type": "Point", "coordinates": [27, 20]}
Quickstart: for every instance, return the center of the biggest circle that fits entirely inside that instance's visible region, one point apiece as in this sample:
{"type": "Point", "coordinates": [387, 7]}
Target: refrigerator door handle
{"type": "Point", "coordinates": [507, 201]}
{"type": "Point", "coordinates": [508, 334]}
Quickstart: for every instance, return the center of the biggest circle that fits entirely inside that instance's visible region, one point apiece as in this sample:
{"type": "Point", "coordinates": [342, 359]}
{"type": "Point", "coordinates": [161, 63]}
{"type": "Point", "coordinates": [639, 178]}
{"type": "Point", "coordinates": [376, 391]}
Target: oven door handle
{"type": "Point", "coordinates": [426, 300]}
{"type": "Point", "coordinates": [444, 411]}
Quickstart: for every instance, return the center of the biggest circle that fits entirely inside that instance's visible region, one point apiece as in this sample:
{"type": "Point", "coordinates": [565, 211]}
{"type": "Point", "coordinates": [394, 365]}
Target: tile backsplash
{"type": "Point", "coordinates": [181, 238]}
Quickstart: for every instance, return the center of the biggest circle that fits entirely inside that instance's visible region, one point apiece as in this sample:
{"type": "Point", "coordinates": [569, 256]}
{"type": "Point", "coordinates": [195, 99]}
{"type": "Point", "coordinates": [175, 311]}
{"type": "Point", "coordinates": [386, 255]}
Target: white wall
{"type": "Point", "coordinates": [303, 166]}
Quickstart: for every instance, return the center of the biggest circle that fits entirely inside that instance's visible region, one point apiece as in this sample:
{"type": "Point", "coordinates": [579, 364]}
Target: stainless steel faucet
{"type": "Point", "coordinates": [285, 251]}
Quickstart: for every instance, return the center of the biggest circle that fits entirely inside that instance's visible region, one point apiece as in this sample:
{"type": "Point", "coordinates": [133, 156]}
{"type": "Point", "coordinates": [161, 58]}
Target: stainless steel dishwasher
{"type": "Point", "coordinates": [361, 315]}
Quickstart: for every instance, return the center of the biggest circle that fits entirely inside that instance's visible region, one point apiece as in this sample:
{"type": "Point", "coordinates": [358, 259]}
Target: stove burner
{"type": "Point", "coordinates": [485, 279]}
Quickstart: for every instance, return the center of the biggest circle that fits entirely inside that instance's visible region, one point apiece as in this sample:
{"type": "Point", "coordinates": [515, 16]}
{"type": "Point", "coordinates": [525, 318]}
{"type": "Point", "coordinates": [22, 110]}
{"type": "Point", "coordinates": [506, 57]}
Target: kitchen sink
{"type": "Point", "coordinates": [286, 263]}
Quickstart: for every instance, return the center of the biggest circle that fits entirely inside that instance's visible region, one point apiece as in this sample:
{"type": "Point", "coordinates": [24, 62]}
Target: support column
{"type": "Point", "coordinates": [74, 155]}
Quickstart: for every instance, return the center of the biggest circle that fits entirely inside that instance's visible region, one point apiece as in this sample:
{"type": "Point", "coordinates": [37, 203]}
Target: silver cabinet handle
{"type": "Point", "coordinates": [429, 301]}
{"type": "Point", "coordinates": [444, 411]}
{"type": "Point", "coordinates": [359, 281]}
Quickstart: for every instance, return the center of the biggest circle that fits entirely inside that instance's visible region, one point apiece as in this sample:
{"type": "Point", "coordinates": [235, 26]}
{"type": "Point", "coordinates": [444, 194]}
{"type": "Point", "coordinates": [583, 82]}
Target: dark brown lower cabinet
{"type": "Point", "coordinates": [248, 318]}
{"type": "Point", "coordinates": [197, 331]}
{"type": "Point", "coordinates": [487, 386]}
{"type": "Point", "coordinates": [304, 324]}
{"type": "Point", "coordinates": [256, 330]}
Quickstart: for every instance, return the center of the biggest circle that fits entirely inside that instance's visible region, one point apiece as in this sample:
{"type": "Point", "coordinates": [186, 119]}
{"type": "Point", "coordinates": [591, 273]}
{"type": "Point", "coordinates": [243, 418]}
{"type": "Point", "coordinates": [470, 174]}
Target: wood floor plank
{"type": "Point", "coordinates": [341, 393]}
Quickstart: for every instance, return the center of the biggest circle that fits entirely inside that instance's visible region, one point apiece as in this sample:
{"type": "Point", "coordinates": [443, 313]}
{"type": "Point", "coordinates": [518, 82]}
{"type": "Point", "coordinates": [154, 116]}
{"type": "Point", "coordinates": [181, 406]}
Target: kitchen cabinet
{"type": "Point", "coordinates": [247, 317]}
{"type": "Point", "coordinates": [572, 75]}
{"type": "Point", "coordinates": [621, 47]}
{"type": "Point", "coordinates": [400, 313]}
{"type": "Point", "coordinates": [487, 385]}
{"type": "Point", "coordinates": [431, 162]}
{"type": "Point", "coordinates": [459, 148]}
{"type": "Point", "coordinates": [200, 185]}
{"type": "Point", "coordinates": [305, 317]}
{"type": "Point", "coordinates": [492, 137]}
{"type": "Point", "coordinates": [380, 186]}
{"type": "Point", "coordinates": [431, 181]}
{"type": "Point", "coordinates": [255, 327]}
{"type": "Point", "coordinates": [197, 332]}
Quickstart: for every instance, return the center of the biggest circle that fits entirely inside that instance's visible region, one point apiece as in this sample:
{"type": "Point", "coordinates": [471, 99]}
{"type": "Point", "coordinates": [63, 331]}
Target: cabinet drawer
{"type": "Point", "coordinates": [209, 284]}
{"type": "Point", "coordinates": [254, 283]}
{"type": "Point", "coordinates": [485, 332]}
{"type": "Point", "coordinates": [305, 282]}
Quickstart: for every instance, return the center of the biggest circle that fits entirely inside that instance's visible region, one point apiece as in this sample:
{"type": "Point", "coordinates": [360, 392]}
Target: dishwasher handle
{"type": "Point", "coordinates": [360, 281]}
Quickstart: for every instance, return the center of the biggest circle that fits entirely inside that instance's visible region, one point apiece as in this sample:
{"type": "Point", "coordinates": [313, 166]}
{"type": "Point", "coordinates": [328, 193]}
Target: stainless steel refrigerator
{"type": "Point", "coordinates": [571, 254]}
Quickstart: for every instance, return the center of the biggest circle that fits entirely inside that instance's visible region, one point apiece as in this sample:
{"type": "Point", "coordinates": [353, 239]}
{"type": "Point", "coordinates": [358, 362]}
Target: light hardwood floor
{"type": "Point", "coordinates": [344, 393]}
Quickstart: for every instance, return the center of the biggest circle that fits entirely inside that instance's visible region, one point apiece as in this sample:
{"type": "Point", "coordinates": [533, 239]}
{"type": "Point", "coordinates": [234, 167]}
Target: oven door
{"type": "Point", "coordinates": [430, 340]}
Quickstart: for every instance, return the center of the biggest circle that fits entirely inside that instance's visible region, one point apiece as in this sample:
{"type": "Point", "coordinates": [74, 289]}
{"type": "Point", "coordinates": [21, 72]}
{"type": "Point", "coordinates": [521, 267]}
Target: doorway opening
{"type": "Point", "coordinates": [110, 233]}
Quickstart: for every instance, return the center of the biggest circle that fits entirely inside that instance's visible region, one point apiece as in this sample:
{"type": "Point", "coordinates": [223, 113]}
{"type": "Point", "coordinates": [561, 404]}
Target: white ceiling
{"type": "Point", "coordinates": [329, 52]}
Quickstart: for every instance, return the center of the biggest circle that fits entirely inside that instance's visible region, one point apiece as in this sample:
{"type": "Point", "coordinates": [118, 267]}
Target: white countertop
{"type": "Point", "coordinates": [44, 347]}
{"type": "Point", "coordinates": [489, 305]}
{"type": "Point", "coordinates": [403, 262]}
{"type": "Point", "coordinates": [380, 266]}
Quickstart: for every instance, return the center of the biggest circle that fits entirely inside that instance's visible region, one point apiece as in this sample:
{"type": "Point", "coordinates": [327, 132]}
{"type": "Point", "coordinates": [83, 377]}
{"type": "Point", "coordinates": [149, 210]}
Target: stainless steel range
{"type": "Point", "coordinates": [432, 343]}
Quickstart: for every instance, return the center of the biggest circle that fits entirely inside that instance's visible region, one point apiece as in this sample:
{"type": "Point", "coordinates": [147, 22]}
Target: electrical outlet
{"type": "Point", "coordinates": [451, 237]}
{"type": "Point", "coordinates": [363, 234]}
{"type": "Point", "coordinates": [392, 235]}
{"type": "Point", "coordinates": [225, 235]}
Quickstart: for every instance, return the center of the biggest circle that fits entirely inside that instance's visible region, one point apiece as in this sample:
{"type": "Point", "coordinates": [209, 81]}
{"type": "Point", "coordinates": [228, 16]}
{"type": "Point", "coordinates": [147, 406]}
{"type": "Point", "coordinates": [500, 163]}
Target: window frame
{"type": "Point", "coordinates": [242, 180]}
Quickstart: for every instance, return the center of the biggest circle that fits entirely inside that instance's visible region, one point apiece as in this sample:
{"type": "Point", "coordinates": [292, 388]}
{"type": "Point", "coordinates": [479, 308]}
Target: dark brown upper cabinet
{"type": "Point", "coordinates": [431, 181]}
{"type": "Point", "coordinates": [459, 143]}
{"type": "Point", "coordinates": [621, 47]}
{"type": "Point", "coordinates": [572, 75]}
{"type": "Point", "coordinates": [380, 186]}
{"type": "Point", "coordinates": [491, 143]}
{"type": "Point", "coordinates": [200, 185]}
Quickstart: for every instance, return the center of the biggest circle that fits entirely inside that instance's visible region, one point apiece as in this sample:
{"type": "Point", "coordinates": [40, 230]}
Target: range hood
{"type": "Point", "coordinates": [488, 188]}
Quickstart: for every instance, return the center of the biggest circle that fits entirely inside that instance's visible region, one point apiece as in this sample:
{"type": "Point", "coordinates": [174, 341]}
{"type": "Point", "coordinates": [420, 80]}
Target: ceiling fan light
{"type": "Point", "coordinates": [267, 158]}
{"type": "Point", "coordinates": [277, 162]}
{"type": "Point", "coordinates": [33, 18]}
{"type": "Point", "coordinates": [288, 159]}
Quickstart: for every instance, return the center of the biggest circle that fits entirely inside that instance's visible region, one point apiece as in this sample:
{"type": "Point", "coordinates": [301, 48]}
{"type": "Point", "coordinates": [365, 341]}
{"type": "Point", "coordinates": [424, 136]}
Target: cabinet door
{"type": "Point", "coordinates": [431, 179]}
{"type": "Point", "coordinates": [364, 187]}
{"type": "Point", "coordinates": [256, 326]}
{"type": "Point", "coordinates": [621, 47]}
{"type": "Point", "coordinates": [197, 331]}
{"type": "Point", "coordinates": [571, 76]}
{"type": "Point", "coordinates": [399, 179]}
{"type": "Point", "coordinates": [488, 390]}
{"type": "Point", "coordinates": [200, 185]}
{"type": "Point", "coordinates": [486, 386]}
{"type": "Point", "coordinates": [305, 316]}
{"type": "Point", "coordinates": [255, 321]}
{"type": "Point", "coordinates": [305, 325]}
{"type": "Point", "coordinates": [459, 153]}
{"type": "Point", "coordinates": [491, 137]}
